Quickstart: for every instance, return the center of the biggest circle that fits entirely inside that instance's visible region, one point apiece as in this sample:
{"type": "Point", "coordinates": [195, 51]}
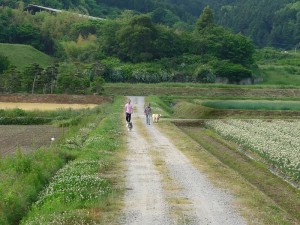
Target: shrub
{"type": "Point", "coordinates": [234, 72]}
{"type": "Point", "coordinates": [204, 74]}
{"type": "Point", "coordinates": [4, 63]}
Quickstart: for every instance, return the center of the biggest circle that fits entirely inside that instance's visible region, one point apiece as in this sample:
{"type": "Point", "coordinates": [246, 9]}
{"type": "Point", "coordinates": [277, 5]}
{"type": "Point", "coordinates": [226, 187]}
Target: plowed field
{"type": "Point", "coordinates": [26, 137]}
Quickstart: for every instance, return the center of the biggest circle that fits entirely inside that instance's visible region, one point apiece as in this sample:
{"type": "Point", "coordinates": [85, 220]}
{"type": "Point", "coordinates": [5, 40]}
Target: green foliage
{"type": "Point", "coordinates": [233, 72]}
{"type": "Point", "coordinates": [4, 63]}
{"type": "Point", "coordinates": [62, 117]}
{"type": "Point", "coordinates": [81, 185]}
{"type": "Point", "coordinates": [10, 80]}
{"type": "Point", "coordinates": [97, 85]}
{"type": "Point", "coordinates": [82, 50]}
{"type": "Point", "coordinates": [27, 176]}
{"type": "Point", "coordinates": [23, 176]}
{"type": "Point", "coordinates": [275, 27]}
{"type": "Point", "coordinates": [164, 16]}
{"type": "Point", "coordinates": [279, 67]}
{"type": "Point", "coordinates": [72, 79]}
{"type": "Point", "coordinates": [206, 19]}
{"type": "Point", "coordinates": [160, 105]}
{"type": "Point", "coordinates": [32, 78]}
{"type": "Point", "coordinates": [136, 40]}
{"type": "Point", "coordinates": [237, 49]}
{"type": "Point", "coordinates": [204, 74]}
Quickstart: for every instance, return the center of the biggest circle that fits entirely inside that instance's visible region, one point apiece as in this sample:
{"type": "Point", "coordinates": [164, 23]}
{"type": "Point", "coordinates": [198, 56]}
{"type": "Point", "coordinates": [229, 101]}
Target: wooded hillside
{"type": "Point", "coordinates": [269, 23]}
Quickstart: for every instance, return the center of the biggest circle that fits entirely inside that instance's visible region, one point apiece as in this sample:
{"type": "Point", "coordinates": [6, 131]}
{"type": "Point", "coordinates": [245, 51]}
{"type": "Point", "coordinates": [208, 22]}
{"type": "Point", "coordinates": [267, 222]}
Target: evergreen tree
{"type": "Point", "coordinates": [206, 19]}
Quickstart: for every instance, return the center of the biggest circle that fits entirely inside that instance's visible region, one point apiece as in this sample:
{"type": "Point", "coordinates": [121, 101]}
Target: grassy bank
{"type": "Point", "coordinates": [24, 55]}
{"type": "Point", "coordinates": [260, 196]}
{"type": "Point", "coordinates": [253, 105]}
{"type": "Point", "coordinates": [23, 176]}
{"type": "Point", "coordinates": [192, 90]}
{"type": "Point", "coordinates": [188, 109]}
{"type": "Point", "coordinates": [61, 117]}
{"type": "Point", "coordinates": [82, 191]}
{"type": "Point", "coordinates": [257, 174]}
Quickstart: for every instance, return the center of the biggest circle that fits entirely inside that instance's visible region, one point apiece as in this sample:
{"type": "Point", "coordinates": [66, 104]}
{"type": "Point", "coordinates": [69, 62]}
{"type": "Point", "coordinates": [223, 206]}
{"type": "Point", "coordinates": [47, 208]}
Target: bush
{"type": "Point", "coordinates": [204, 74]}
{"type": "Point", "coordinates": [4, 63]}
{"type": "Point", "coordinates": [145, 76]}
{"type": "Point", "coordinates": [233, 72]}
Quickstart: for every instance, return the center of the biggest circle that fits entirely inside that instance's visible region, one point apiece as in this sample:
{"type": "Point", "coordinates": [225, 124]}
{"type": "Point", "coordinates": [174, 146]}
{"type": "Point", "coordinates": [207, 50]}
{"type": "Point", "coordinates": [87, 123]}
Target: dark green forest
{"type": "Point", "coordinates": [268, 23]}
{"type": "Point", "coordinates": [140, 41]}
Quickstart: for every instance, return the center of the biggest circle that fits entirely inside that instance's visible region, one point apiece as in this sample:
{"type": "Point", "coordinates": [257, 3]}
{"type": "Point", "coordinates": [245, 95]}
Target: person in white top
{"type": "Point", "coordinates": [128, 110]}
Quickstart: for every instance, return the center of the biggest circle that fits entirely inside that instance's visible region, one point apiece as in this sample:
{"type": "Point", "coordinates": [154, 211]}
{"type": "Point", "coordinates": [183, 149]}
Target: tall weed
{"type": "Point", "coordinates": [81, 185]}
{"type": "Point", "coordinates": [23, 176]}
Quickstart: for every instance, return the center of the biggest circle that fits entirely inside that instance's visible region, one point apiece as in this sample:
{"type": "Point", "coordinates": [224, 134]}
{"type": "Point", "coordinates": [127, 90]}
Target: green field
{"type": "Point", "coordinates": [254, 105]}
{"type": "Point", "coordinates": [24, 55]}
{"type": "Point", "coordinates": [279, 68]}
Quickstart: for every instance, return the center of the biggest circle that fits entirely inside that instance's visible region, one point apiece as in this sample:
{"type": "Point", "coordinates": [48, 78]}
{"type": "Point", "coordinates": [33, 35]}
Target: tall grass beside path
{"type": "Point", "coordinates": [84, 189]}
{"type": "Point", "coordinates": [23, 176]}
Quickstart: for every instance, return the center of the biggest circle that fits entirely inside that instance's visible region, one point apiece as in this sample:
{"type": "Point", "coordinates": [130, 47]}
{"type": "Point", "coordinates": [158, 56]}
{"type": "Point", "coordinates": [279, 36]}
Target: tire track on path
{"type": "Point", "coordinates": [146, 201]}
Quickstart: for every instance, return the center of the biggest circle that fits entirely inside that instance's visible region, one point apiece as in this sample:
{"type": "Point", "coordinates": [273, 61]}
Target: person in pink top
{"type": "Point", "coordinates": [128, 110]}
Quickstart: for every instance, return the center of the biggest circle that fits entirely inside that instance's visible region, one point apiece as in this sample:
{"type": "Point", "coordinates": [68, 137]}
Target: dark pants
{"type": "Point", "coordinates": [128, 117]}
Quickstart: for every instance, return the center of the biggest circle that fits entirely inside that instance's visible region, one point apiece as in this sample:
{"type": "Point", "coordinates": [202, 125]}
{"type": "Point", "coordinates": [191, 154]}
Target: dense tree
{"type": "Point", "coordinates": [49, 76]}
{"type": "Point", "coordinates": [4, 63]}
{"type": "Point", "coordinates": [133, 39]}
{"type": "Point", "coordinates": [136, 40]}
{"type": "Point", "coordinates": [10, 80]}
{"type": "Point", "coordinates": [32, 78]}
{"type": "Point", "coordinates": [206, 19]}
{"type": "Point", "coordinates": [233, 72]}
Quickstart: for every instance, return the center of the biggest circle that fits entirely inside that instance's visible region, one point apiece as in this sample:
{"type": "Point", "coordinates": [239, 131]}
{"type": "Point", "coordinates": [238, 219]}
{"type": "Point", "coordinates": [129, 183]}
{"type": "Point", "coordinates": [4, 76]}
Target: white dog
{"type": "Point", "coordinates": [155, 117]}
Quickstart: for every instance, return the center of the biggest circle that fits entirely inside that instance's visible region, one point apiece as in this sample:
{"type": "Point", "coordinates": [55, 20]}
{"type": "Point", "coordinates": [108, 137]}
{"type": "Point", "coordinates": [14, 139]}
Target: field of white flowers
{"type": "Point", "coordinates": [277, 141]}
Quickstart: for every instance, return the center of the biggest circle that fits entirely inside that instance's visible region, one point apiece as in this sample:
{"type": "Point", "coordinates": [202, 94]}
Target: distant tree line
{"type": "Point", "coordinates": [64, 78]}
{"type": "Point", "coordinates": [269, 22]}
{"type": "Point", "coordinates": [131, 48]}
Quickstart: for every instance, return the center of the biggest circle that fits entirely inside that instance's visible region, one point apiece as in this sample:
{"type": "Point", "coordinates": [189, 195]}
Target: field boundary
{"type": "Point", "coordinates": [253, 171]}
{"type": "Point", "coordinates": [55, 98]}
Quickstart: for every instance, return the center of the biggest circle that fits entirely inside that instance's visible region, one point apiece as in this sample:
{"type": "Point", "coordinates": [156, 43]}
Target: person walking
{"type": "Point", "coordinates": [147, 112]}
{"type": "Point", "coordinates": [128, 111]}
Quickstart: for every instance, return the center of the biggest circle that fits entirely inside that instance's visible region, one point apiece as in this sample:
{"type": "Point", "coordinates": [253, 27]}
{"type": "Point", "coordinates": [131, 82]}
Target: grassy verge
{"type": "Point", "coordinates": [190, 110]}
{"type": "Point", "coordinates": [159, 106]}
{"type": "Point", "coordinates": [253, 105]}
{"type": "Point", "coordinates": [23, 176]}
{"type": "Point", "coordinates": [24, 55]}
{"type": "Point", "coordinates": [230, 170]}
{"type": "Point", "coordinates": [204, 91]}
{"type": "Point", "coordinates": [84, 191]}
{"type": "Point", "coordinates": [61, 117]}
{"type": "Point", "coordinates": [284, 197]}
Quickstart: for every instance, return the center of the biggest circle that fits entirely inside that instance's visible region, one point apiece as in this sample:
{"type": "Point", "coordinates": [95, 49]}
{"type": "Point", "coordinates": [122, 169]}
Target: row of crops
{"type": "Point", "coordinates": [277, 141]}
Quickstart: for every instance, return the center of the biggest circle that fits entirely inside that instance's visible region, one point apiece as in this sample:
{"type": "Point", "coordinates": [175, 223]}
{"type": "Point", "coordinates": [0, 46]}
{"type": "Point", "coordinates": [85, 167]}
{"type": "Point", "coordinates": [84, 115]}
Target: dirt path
{"type": "Point", "coordinates": [162, 185]}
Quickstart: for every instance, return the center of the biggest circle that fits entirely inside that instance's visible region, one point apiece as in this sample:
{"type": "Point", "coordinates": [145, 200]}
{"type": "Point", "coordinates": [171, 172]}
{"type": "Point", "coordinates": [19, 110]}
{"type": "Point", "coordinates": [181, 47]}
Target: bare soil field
{"type": "Point", "coordinates": [43, 106]}
{"type": "Point", "coordinates": [26, 137]}
{"type": "Point", "coordinates": [53, 98]}
{"type": "Point", "coordinates": [30, 137]}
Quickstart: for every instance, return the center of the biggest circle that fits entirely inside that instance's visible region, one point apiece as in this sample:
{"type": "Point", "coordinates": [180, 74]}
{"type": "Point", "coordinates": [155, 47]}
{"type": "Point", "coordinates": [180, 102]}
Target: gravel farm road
{"type": "Point", "coordinates": [162, 185]}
